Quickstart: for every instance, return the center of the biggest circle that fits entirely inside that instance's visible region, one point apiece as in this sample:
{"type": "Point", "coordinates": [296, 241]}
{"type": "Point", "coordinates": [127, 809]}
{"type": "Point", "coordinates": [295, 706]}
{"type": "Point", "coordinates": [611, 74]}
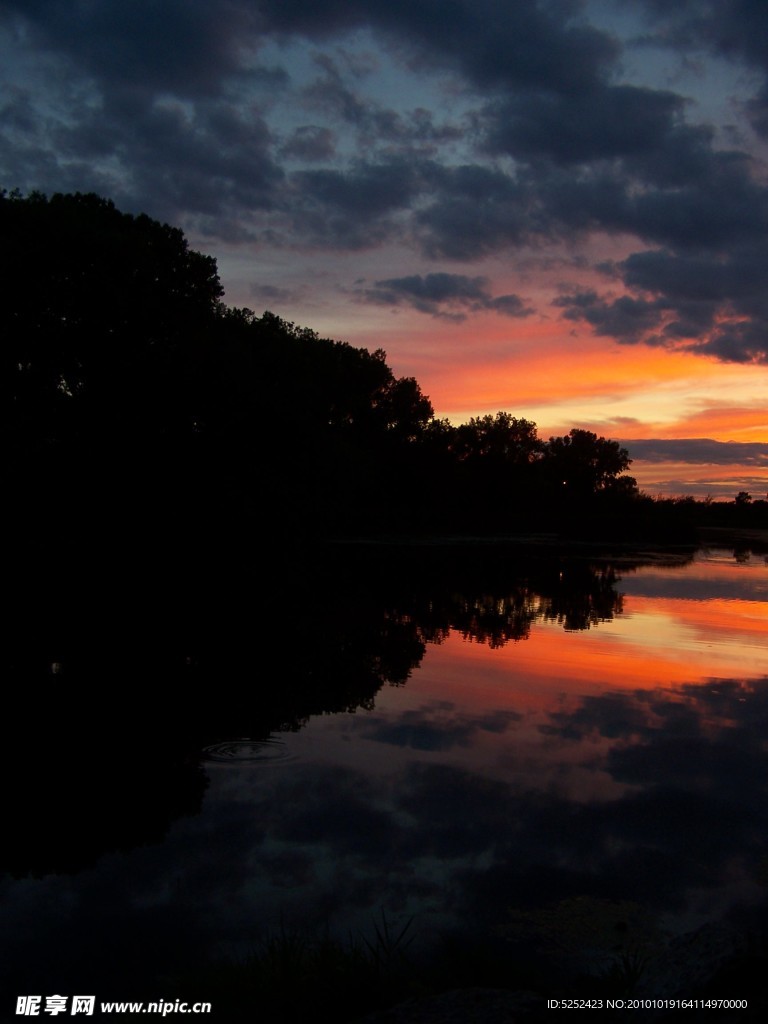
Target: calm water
{"type": "Point", "coordinates": [592, 730]}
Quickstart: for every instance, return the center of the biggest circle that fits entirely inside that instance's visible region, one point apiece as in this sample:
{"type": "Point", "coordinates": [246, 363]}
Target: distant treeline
{"type": "Point", "coordinates": [146, 414]}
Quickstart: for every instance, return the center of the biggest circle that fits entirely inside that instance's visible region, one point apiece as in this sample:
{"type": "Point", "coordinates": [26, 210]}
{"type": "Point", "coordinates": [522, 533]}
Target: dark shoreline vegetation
{"type": "Point", "coordinates": [147, 416]}
{"type": "Point", "coordinates": [169, 455]}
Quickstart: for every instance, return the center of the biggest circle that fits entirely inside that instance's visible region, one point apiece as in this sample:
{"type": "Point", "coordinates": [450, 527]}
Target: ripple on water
{"type": "Point", "coordinates": [247, 751]}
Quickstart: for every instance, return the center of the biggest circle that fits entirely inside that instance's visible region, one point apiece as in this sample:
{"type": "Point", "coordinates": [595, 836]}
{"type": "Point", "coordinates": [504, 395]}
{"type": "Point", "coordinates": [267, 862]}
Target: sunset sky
{"type": "Point", "coordinates": [553, 207]}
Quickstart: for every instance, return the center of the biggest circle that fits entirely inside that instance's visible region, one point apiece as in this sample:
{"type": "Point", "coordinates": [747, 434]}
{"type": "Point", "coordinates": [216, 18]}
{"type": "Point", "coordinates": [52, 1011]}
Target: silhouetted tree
{"type": "Point", "coordinates": [99, 303]}
{"type": "Point", "coordinates": [494, 459]}
{"type": "Point", "coordinates": [324, 434]}
{"type": "Point", "coordinates": [500, 441]}
{"type": "Point", "coordinates": [141, 407]}
{"type": "Point", "coordinates": [584, 464]}
{"type": "Point", "coordinates": [103, 317]}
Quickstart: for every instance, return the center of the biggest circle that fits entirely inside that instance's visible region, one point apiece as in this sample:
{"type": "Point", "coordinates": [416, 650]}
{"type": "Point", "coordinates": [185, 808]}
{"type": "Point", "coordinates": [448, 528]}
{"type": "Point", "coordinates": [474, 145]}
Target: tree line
{"type": "Point", "coordinates": [141, 405]}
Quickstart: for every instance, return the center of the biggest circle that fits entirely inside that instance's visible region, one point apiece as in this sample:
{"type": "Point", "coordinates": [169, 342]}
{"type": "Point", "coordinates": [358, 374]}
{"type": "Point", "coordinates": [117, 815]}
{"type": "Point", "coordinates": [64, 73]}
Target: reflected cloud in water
{"type": "Point", "coordinates": [495, 746]}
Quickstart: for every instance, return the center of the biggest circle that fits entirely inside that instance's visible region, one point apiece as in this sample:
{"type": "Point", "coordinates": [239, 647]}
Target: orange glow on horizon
{"type": "Point", "coordinates": [534, 371]}
{"type": "Point", "coordinates": [726, 423]}
{"type": "Point", "coordinates": [560, 376]}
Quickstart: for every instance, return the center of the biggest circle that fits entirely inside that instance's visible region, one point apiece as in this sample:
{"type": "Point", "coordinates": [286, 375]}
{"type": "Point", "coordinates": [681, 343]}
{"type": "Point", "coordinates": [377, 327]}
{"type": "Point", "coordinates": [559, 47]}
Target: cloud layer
{"type": "Point", "coordinates": [448, 296]}
{"type": "Point", "coordinates": [702, 451]}
{"type": "Point", "coordinates": [458, 134]}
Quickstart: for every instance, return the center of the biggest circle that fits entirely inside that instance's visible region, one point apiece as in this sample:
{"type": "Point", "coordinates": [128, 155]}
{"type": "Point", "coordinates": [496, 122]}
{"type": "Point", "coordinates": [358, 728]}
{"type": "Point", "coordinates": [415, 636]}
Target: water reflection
{"type": "Point", "coordinates": [261, 751]}
{"type": "Point", "coordinates": [458, 745]}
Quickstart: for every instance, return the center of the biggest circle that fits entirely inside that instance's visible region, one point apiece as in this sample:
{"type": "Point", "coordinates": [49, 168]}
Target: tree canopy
{"type": "Point", "coordinates": [586, 464]}
{"type": "Point", "coordinates": [140, 402]}
{"type": "Point", "coordinates": [97, 299]}
{"type": "Point", "coordinates": [502, 439]}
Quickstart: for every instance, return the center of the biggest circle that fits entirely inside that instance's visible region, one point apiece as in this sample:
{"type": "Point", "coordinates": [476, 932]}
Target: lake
{"type": "Point", "coordinates": [489, 750]}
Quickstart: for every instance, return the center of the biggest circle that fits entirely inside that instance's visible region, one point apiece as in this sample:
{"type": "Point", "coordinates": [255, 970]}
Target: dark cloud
{"type": "Point", "coordinates": [714, 486]}
{"type": "Point", "coordinates": [447, 296]}
{"type": "Point", "coordinates": [330, 92]}
{"type": "Point", "coordinates": [190, 45]}
{"type": "Point", "coordinates": [627, 319]}
{"type": "Point", "coordinates": [694, 763]}
{"type": "Point", "coordinates": [222, 158]}
{"type": "Point", "coordinates": [310, 143]}
{"type": "Point", "coordinates": [271, 293]}
{"type": "Point", "coordinates": [713, 210]}
{"type": "Point", "coordinates": [680, 756]}
{"type": "Point", "coordinates": [718, 204]}
{"type": "Point", "coordinates": [599, 124]}
{"type": "Point", "coordinates": [179, 163]}
{"type": "Point", "coordinates": [317, 843]}
{"type": "Point", "coordinates": [493, 44]}
{"type": "Point", "coordinates": [668, 739]}
{"type": "Point", "coordinates": [693, 587]}
{"type": "Point", "coordinates": [417, 733]}
{"type": "Point", "coordinates": [180, 109]}
{"type": "Point", "coordinates": [433, 728]}
{"type": "Point", "coordinates": [701, 290]}
{"type": "Point", "coordinates": [375, 124]}
{"type": "Point", "coordinates": [734, 29]}
{"type": "Point", "coordinates": [610, 715]}
{"type": "Point", "coordinates": [446, 803]}
{"type": "Point", "coordinates": [708, 300]}
{"type": "Point", "coordinates": [700, 450]}
{"type": "Point", "coordinates": [187, 47]}
{"type": "Point", "coordinates": [337, 807]}
{"type": "Point", "coordinates": [688, 752]}
{"type": "Point", "coordinates": [475, 211]}
{"type": "Point", "coordinates": [353, 208]}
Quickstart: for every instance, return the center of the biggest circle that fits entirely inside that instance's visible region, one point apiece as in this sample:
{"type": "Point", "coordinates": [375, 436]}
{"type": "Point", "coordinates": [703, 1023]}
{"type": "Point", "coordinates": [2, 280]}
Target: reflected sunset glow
{"type": "Point", "coordinates": [656, 641]}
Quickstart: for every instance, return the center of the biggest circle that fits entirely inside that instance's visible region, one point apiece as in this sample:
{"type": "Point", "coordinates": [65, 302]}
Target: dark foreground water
{"type": "Point", "coordinates": [543, 752]}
